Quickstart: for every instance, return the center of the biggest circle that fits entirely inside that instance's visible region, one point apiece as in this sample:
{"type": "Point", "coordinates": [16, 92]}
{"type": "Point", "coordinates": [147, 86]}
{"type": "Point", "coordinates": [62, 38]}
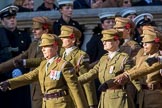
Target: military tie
{"type": "Point", "coordinates": [47, 66]}
{"type": "Point", "coordinates": [64, 55]}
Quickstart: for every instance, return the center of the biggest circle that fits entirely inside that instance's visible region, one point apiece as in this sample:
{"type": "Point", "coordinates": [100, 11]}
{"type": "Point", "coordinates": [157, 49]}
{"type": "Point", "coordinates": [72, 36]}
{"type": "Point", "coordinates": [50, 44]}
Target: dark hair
{"type": "Point", "coordinates": [60, 6]}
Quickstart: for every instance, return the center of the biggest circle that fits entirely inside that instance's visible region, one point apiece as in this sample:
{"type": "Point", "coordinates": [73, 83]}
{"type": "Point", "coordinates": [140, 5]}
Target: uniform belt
{"type": "Point", "coordinates": [152, 86]}
{"type": "Point", "coordinates": [116, 87]}
{"type": "Point", "coordinates": [56, 94]}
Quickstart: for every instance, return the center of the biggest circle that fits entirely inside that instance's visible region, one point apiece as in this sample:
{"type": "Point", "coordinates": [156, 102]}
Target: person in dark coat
{"type": "Point", "coordinates": [144, 19]}
{"type": "Point", "coordinates": [94, 46]}
{"type": "Point", "coordinates": [66, 10]}
{"type": "Point", "coordinates": [13, 42]}
{"type": "Point", "coordinates": [24, 5]}
{"type": "Point", "coordinates": [148, 3]}
{"type": "Point", "coordinates": [81, 4]}
{"type": "Point", "coordinates": [47, 5]}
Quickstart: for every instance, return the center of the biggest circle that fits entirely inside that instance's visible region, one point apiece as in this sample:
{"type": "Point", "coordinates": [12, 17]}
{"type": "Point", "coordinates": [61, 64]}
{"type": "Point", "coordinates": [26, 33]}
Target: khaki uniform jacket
{"type": "Point", "coordinates": [67, 81]}
{"type": "Point", "coordinates": [107, 69]}
{"type": "Point", "coordinates": [80, 60]}
{"type": "Point", "coordinates": [33, 52]}
{"type": "Point", "coordinates": [131, 48]}
{"type": "Point", "coordinates": [147, 98]}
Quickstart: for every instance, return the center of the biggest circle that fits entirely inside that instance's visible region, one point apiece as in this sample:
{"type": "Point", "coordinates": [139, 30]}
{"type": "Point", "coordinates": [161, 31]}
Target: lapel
{"type": "Point", "coordinates": [71, 55]}
{"type": "Point", "coordinates": [141, 60]}
{"type": "Point", "coordinates": [43, 71]}
{"type": "Point", "coordinates": [114, 59]}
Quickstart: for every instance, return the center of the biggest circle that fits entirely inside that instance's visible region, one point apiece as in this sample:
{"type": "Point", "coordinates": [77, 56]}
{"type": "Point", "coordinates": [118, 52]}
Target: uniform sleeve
{"type": "Point", "coordinates": [89, 87]}
{"type": "Point", "coordinates": [33, 62]}
{"type": "Point", "coordinates": [129, 63]}
{"type": "Point", "coordinates": [9, 65]}
{"type": "Point", "coordinates": [74, 85]}
{"type": "Point", "coordinates": [134, 74]}
{"type": "Point", "coordinates": [24, 79]}
{"type": "Point", "coordinates": [90, 75]}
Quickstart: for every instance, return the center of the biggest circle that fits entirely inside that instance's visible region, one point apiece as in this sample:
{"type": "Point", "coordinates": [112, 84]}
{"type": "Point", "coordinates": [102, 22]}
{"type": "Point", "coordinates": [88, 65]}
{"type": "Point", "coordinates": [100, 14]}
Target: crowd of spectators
{"type": "Point", "coordinates": [130, 24]}
{"type": "Point", "coordinates": [28, 5]}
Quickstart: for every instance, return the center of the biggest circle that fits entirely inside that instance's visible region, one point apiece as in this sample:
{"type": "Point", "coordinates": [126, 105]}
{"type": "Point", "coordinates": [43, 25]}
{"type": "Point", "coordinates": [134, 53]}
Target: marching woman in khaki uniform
{"type": "Point", "coordinates": [150, 82]}
{"type": "Point", "coordinates": [129, 46]}
{"type": "Point", "coordinates": [56, 78]}
{"type": "Point", "coordinates": [40, 25]}
{"type": "Point", "coordinates": [110, 65]}
{"type": "Point", "coordinates": [79, 59]}
{"type": "Point", "coordinates": [127, 26]}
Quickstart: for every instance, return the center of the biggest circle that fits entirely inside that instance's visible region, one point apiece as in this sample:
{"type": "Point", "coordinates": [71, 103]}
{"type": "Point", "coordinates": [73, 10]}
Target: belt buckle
{"type": "Point", "coordinates": [45, 97]}
{"type": "Point", "coordinates": [63, 93]}
{"type": "Point", "coordinates": [151, 86]}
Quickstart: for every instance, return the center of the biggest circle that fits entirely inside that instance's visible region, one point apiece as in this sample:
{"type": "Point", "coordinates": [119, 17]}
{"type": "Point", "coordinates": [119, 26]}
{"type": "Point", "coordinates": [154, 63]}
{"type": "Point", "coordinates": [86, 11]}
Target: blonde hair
{"type": "Point", "coordinates": [19, 2]}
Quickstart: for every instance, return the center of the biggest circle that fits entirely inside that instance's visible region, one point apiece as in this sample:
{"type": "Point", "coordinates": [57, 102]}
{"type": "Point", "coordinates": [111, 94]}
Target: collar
{"type": "Point", "coordinates": [68, 50]}
{"type": "Point", "coordinates": [126, 40]}
{"type": "Point", "coordinates": [65, 23]}
{"type": "Point", "coordinates": [52, 59]}
{"type": "Point", "coordinates": [153, 55]}
{"type": "Point", "coordinates": [112, 54]}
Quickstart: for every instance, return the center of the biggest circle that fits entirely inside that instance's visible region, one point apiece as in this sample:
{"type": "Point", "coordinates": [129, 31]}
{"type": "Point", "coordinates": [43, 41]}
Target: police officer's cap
{"type": "Point", "coordinates": [50, 39]}
{"type": "Point", "coordinates": [126, 12]}
{"type": "Point", "coordinates": [69, 32]}
{"type": "Point", "coordinates": [110, 34]}
{"type": "Point", "coordinates": [65, 2]}
{"type": "Point", "coordinates": [106, 15]}
{"type": "Point", "coordinates": [123, 22]}
{"type": "Point", "coordinates": [10, 10]}
{"type": "Point", "coordinates": [143, 19]}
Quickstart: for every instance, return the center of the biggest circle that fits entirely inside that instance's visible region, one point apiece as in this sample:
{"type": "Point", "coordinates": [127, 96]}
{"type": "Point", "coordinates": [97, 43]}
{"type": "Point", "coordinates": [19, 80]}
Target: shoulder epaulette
{"type": "Point", "coordinates": [58, 59]}
{"type": "Point", "coordinates": [132, 42]}
{"type": "Point", "coordinates": [124, 54]}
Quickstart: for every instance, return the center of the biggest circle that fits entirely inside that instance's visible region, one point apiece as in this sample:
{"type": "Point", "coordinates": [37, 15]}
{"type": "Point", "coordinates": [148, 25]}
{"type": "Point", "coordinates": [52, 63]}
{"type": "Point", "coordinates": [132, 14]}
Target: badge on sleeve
{"type": "Point", "coordinates": [111, 69]}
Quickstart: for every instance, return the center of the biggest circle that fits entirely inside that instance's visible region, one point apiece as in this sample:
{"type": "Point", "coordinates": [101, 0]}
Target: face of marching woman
{"type": "Point", "coordinates": [68, 42]}
{"type": "Point", "coordinates": [49, 51]}
{"type": "Point", "coordinates": [37, 32]}
{"type": "Point", "coordinates": [111, 45]}
{"type": "Point", "coordinates": [150, 47]}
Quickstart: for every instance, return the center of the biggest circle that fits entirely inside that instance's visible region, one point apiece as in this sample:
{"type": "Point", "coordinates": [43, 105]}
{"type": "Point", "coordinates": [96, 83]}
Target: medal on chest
{"type": "Point", "coordinates": [111, 69]}
{"type": "Point", "coordinates": [55, 75]}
